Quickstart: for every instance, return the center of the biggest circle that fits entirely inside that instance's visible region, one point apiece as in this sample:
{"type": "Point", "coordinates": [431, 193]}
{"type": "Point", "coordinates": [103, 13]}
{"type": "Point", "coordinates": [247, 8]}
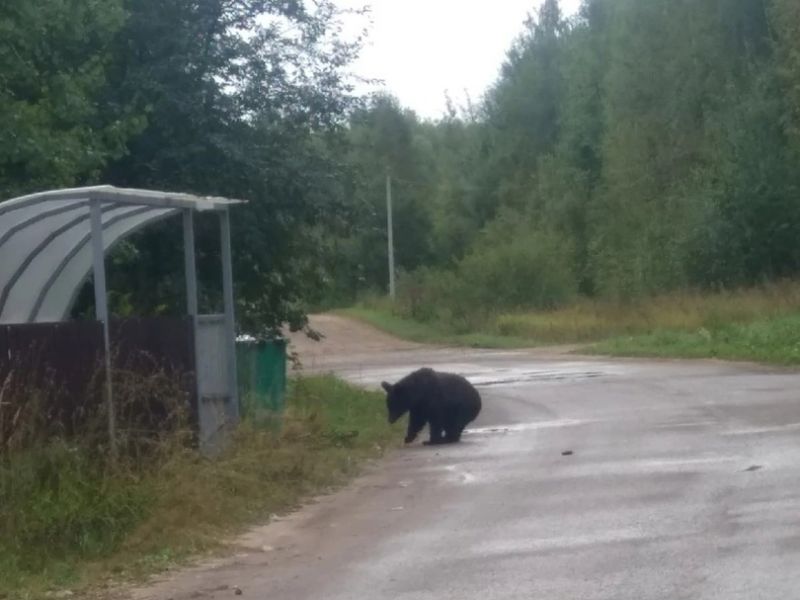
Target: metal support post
{"type": "Point", "coordinates": [192, 304]}
{"type": "Point", "coordinates": [390, 228]}
{"type": "Point", "coordinates": [230, 315]}
{"type": "Point", "coordinates": [190, 264]}
{"type": "Point", "coordinates": [101, 314]}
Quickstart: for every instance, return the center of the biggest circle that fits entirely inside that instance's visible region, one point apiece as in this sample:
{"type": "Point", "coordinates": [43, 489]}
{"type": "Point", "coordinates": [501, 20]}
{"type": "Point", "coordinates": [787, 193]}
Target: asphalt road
{"type": "Point", "coordinates": [683, 482]}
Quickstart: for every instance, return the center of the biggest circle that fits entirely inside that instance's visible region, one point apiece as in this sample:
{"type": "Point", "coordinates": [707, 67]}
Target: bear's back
{"type": "Point", "coordinates": [437, 389]}
{"type": "Point", "coordinates": [457, 391]}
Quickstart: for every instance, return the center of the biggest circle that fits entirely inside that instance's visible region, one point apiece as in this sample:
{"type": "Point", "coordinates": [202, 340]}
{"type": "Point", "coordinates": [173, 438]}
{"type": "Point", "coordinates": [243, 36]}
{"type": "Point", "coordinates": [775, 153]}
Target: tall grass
{"type": "Point", "coordinates": [686, 311]}
{"type": "Point", "coordinates": [772, 340]}
{"type": "Point", "coordinates": [585, 321]}
{"type": "Point", "coordinates": [69, 517]}
{"type": "Point", "coordinates": [506, 269]}
{"type": "Point", "coordinates": [387, 320]}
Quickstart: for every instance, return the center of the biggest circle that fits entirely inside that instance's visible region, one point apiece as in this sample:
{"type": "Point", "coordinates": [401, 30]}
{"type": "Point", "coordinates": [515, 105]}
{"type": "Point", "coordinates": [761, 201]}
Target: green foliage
{"type": "Point", "coordinates": [242, 98]}
{"type": "Point", "coordinates": [53, 66]}
{"type": "Point", "coordinates": [785, 18]}
{"type": "Point", "coordinates": [56, 502]}
{"type": "Point", "coordinates": [509, 267]}
{"type": "Point", "coordinates": [387, 319]}
{"type": "Point", "coordinates": [69, 518]}
{"type": "Point", "coordinates": [254, 117]}
{"type": "Point", "coordinates": [766, 340]}
{"type": "Point", "coordinates": [649, 146]}
{"type": "Point", "coordinates": [513, 267]}
{"type": "Point", "coordinates": [384, 140]}
{"type": "Point", "coordinates": [642, 147]}
{"type": "Point", "coordinates": [523, 107]}
{"type": "Point", "coordinates": [759, 324]}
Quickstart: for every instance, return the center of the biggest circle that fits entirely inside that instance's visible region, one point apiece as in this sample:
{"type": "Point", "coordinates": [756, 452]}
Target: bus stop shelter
{"type": "Point", "coordinates": [52, 242]}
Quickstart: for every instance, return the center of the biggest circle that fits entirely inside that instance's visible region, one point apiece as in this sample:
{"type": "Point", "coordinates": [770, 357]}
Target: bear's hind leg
{"type": "Point", "coordinates": [453, 436]}
{"type": "Point", "coordinates": [437, 434]}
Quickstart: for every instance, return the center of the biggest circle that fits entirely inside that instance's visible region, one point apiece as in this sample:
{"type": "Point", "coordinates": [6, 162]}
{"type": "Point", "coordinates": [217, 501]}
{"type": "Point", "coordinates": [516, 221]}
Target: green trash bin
{"type": "Point", "coordinates": [261, 369]}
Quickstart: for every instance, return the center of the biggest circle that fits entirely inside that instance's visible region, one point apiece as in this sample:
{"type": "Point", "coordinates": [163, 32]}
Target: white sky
{"type": "Point", "coordinates": [424, 48]}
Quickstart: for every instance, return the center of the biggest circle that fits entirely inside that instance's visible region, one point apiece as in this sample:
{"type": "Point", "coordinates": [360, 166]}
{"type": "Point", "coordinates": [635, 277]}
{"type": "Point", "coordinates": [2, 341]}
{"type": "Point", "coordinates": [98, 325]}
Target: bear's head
{"type": "Point", "coordinates": [397, 401]}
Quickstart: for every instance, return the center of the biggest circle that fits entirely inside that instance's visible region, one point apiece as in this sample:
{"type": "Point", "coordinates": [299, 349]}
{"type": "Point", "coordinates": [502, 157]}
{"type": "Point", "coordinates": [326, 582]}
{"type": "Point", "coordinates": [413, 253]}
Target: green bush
{"type": "Point", "coordinates": [429, 295]}
{"type": "Point", "coordinates": [505, 271]}
{"type": "Point", "coordinates": [519, 269]}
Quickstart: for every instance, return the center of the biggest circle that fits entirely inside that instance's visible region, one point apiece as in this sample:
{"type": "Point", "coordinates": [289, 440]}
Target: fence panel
{"type": "Point", "coordinates": [51, 373]}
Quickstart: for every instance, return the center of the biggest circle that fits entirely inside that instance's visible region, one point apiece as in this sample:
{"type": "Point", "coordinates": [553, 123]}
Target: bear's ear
{"type": "Point", "coordinates": [387, 387]}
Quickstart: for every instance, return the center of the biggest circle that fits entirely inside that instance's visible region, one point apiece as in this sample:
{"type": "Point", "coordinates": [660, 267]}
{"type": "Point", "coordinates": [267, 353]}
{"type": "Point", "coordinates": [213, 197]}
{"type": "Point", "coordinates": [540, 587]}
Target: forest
{"type": "Point", "coordinates": [638, 148]}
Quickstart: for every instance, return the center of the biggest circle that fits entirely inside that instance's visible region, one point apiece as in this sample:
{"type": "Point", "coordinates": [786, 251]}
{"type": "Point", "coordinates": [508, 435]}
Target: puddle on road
{"type": "Point", "coordinates": [460, 475]}
{"type": "Point", "coordinates": [499, 377]}
{"type": "Point", "coordinates": [517, 427]}
{"type": "Point", "coordinates": [515, 543]}
{"type": "Point", "coordinates": [771, 429]}
{"type": "Point", "coordinates": [482, 376]}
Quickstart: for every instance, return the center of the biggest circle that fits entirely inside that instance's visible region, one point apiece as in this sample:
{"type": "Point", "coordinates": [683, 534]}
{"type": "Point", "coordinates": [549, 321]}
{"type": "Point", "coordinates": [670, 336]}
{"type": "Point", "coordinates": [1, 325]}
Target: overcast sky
{"type": "Point", "coordinates": [424, 48]}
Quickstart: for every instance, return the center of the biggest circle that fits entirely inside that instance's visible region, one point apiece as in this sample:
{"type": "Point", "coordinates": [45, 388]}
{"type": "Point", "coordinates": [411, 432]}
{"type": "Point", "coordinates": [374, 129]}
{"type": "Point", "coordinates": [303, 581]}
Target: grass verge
{"type": "Point", "coordinates": [760, 324]}
{"type": "Point", "coordinates": [68, 521]}
{"type": "Point", "coordinates": [775, 340]}
{"type": "Point", "coordinates": [430, 333]}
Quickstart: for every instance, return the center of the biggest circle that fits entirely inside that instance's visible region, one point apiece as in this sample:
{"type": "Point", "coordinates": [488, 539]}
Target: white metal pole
{"type": "Point", "coordinates": [190, 264]}
{"type": "Point", "coordinates": [101, 314]}
{"type": "Point", "coordinates": [230, 315]}
{"type": "Point", "coordinates": [192, 304]}
{"type": "Point", "coordinates": [390, 228]}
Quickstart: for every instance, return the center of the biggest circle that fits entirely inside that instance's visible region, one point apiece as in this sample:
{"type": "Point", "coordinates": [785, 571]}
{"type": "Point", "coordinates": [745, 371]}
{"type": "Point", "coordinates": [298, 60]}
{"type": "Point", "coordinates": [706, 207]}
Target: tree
{"type": "Point", "coordinates": [786, 22]}
{"type": "Point", "coordinates": [53, 66]}
{"type": "Point", "coordinates": [386, 140]}
{"type": "Point", "coordinates": [457, 206]}
{"type": "Point", "coordinates": [246, 99]}
{"type": "Point", "coordinates": [654, 143]}
{"type": "Point", "coordinates": [523, 107]}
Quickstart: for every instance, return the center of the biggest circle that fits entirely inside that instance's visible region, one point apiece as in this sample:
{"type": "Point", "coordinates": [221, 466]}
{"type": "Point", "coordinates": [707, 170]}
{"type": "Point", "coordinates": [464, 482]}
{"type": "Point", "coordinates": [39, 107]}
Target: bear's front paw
{"type": "Point", "coordinates": [410, 438]}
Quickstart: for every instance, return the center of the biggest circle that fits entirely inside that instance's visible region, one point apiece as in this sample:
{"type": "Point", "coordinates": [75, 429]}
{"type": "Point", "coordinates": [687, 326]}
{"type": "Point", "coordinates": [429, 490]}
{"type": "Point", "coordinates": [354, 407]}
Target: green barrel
{"type": "Point", "coordinates": [262, 379]}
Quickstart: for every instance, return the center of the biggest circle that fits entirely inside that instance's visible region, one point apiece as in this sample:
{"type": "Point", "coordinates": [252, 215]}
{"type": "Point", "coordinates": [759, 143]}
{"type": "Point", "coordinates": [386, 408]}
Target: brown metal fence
{"type": "Point", "coordinates": [51, 375]}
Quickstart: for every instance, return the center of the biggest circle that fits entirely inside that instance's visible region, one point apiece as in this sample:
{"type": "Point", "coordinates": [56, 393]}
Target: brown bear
{"type": "Point", "coordinates": [445, 401]}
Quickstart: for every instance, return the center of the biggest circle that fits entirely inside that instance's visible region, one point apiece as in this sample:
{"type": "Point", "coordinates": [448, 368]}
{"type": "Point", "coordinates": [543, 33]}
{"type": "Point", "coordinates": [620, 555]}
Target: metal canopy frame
{"type": "Point", "coordinates": [47, 242]}
{"type": "Point", "coordinates": [50, 242]}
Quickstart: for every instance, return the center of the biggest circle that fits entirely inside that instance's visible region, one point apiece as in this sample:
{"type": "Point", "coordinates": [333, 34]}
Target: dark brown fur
{"type": "Point", "coordinates": [445, 402]}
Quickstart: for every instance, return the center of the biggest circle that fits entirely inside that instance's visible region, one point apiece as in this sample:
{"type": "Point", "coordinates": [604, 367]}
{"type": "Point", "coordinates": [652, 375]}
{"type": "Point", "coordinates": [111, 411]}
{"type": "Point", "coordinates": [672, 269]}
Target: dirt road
{"type": "Point", "coordinates": [585, 478]}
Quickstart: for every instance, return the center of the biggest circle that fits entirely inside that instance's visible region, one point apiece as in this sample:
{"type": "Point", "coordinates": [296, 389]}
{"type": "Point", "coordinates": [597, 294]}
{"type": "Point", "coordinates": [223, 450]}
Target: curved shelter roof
{"type": "Point", "coordinates": [46, 242]}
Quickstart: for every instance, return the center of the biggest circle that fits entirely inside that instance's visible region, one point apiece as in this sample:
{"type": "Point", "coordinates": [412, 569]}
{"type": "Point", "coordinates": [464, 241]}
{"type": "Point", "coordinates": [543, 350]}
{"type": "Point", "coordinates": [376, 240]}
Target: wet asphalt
{"type": "Point", "coordinates": [584, 478]}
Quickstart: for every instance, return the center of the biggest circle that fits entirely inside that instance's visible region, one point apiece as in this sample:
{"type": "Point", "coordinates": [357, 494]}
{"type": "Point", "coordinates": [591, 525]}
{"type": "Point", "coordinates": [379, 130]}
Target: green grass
{"type": "Point", "coordinates": [775, 341]}
{"type": "Point", "coordinates": [68, 520]}
{"type": "Point", "coordinates": [431, 333]}
{"type": "Point", "coordinates": [589, 321]}
{"type": "Point", "coordinates": [758, 324]}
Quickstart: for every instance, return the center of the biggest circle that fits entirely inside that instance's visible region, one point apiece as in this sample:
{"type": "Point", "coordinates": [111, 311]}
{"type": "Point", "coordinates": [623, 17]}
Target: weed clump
{"type": "Point", "coordinates": [69, 515]}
